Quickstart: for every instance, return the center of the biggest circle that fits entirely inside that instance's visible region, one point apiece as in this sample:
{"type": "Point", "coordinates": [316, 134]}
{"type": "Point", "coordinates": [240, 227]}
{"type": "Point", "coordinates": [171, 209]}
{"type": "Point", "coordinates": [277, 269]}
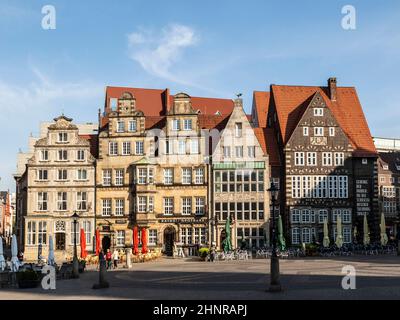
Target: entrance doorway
{"type": "Point", "coordinates": [60, 241]}
{"type": "Point", "coordinates": [169, 239]}
{"type": "Point", "coordinates": [106, 243]}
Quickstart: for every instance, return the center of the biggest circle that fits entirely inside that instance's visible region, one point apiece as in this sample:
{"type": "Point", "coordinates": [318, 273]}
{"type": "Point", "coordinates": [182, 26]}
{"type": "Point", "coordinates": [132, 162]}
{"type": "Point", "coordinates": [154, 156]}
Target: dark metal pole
{"type": "Point", "coordinates": [275, 285]}
{"type": "Point", "coordinates": [75, 263]}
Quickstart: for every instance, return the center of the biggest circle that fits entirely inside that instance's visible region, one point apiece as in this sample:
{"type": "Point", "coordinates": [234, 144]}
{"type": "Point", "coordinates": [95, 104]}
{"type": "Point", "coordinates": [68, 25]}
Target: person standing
{"type": "Point", "coordinates": [109, 259]}
{"type": "Point", "coordinates": [115, 258]}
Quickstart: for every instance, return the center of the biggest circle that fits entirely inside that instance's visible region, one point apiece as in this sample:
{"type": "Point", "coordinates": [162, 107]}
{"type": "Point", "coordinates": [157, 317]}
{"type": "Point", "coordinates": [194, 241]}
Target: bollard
{"type": "Point", "coordinates": [102, 275]}
{"type": "Point", "coordinates": [128, 258]}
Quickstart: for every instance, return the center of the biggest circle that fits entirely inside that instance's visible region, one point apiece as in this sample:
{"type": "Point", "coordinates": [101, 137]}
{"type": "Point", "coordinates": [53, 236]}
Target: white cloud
{"type": "Point", "coordinates": [157, 54]}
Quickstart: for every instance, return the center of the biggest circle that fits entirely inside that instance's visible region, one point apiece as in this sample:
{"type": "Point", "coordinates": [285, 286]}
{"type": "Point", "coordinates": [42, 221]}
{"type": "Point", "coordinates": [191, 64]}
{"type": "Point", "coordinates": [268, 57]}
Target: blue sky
{"type": "Point", "coordinates": [204, 48]}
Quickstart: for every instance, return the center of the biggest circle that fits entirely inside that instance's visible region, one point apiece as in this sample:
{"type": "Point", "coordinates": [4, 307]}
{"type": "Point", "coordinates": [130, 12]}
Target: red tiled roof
{"type": "Point", "coordinates": [152, 122]}
{"type": "Point", "coordinates": [93, 140]}
{"type": "Point", "coordinates": [261, 103]}
{"type": "Point", "coordinates": [291, 102]}
{"type": "Point", "coordinates": [267, 139]}
{"type": "Point", "coordinates": [153, 102]}
{"type": "Point", "coordinates": [213, 121]}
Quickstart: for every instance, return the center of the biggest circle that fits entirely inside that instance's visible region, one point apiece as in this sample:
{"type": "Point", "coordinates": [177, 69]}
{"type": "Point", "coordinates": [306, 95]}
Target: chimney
{"type": "Point", "coordinates": [332, 88]}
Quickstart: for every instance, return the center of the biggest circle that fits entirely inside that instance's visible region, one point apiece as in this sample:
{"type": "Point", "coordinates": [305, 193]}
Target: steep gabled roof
{"type": "Point", "coordinates": [261, 103]}
{"type": "Point", "coordinates": [267, 139]}
{"type": "Point", "coordinates": [291, 101]}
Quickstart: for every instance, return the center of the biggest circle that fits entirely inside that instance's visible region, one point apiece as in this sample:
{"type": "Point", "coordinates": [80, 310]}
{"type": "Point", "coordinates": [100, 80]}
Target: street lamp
{"type": "Point", "coordinates": [275, 284]}
{"type": "Point", "coordinates": [75, 262]}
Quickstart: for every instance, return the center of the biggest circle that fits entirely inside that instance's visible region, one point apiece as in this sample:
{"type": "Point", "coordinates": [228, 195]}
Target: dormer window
{"type": "Point", "coordinates": [187, 124]}
{"type": "Point", "coordinates": [318, 131]}
{"type": "Point", "coordinates": [62, 137]}
{"type": "Point", "coordinates": [318, 112]}
{"type": "Point", "coordinates": [120, 126]}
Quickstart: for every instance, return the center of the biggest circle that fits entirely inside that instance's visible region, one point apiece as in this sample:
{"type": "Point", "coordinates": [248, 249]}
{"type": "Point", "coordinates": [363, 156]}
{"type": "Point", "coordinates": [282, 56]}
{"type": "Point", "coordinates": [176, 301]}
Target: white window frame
{"type": "Point", "coordinates": [295, 233]}
{"type": "Point", "coordinates": [81, 201]}
{"type": "Point", "coordinates": [132, 126]}
{"type": "Point", "coordinates": [318, 112]}
{"type": "Point", "coordinates": [305, 131]}
{"type": "Point", "coordinates": [327, 159]}
{"type": "Point", "coordinates": [80, 155]}
{"type": "Point", "coordinates": [169, 176]}
{"type": "Point", "coordinates": [139, 147]}
{"type": "Point", "coordinates": [107, 177]}
{"type": "Point", "coordinates": [318, 131]}
{"type": "Point", "coordinates": [106, 207]}
{"type": "Point", "coordinates": [82, 174]}
{"type": "Point", "coordinates": [168, 206]}
{"type": "Point", "coordinates": [62, 137]}
{"type": "Point", "coordinates": [339, 158]}
{"type": "Point", "coordinates": [311, 159]}
{"type": "Point", "coordinates": [200, 203]}
{"type": "Point", "coordinates": [186, 175]}
{"type": "Point", "coordinates": [175, 125]}
{"type": "Point", "coordinates": [120, 126]}
{"type": "Point", "coordinates": [126, 148]}
{"type": "Point", "coordinates": [331, 131]}
{"type": "Point", "coordinates": [42, 204]}
{"type": "Point", "coordinates": [251, 151]}
{"type": "Point", "coordinates": [187, 124]}
{"type": "Point", "coordinates": [113, 148]}
{"type": "Point", "coordinates": [119, 208]}
{"type": "Point", "coordinates": [119, 177]}
{"type": "Point", "coordinates": [199, 175]}
{"type": "Point", "coordinates": [142, 204]}
{"type": "Point", "coordinates": [299, 158]}
{"type": "Point", "coordinates": [62, 201]}
{"type": "Point", "coordinates": [186, 206]}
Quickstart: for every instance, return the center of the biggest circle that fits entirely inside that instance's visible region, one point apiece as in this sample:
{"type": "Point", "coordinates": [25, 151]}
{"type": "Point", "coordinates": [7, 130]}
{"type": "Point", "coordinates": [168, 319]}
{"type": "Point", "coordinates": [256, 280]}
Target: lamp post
{"type": "Point", "coordinates": [275, 284]}
{"type": "Point", "coordinates": [75, 262]}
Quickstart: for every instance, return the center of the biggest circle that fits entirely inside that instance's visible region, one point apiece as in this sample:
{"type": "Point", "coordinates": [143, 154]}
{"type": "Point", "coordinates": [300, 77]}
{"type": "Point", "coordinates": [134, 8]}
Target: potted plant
{"type": "Point", "coordinates": [28, 279]}
{"type": "Point", "coordinates": [203, 253]}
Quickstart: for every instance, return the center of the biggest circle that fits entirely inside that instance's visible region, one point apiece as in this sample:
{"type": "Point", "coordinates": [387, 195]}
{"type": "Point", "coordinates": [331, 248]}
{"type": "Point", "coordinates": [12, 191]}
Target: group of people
{"type": "Point", "coordinates": [111, 259]}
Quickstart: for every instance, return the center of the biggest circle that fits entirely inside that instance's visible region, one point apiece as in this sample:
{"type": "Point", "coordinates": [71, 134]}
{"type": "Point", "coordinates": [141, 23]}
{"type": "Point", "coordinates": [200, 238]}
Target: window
{"type": "Point", "coordinates": [42, 232]}
{"type": "Point", "coordinates": [364, 161]}
{"type": "Point", "coordinates": [318, 131]}
{"type": "Point", "coordinates": [295, 236]}
{"type": "Point", "coordinates": [251, 151]}
{"type": "Point", "coordinates": [82, 174]}
{"type": "Point", "coordinates": [347, 235]}
{"type": "Point", "coordinates": [107, 177]}
{"type": "Point", "coordinates": [339, 158]}
{"type": "Point", "coordinates": [343, 183]}
{"type": "Point", "coordinates": [385, 167]}
{"type": "Point", "coordinates": [389, 206]}
{"type": "Point", "coordinates": [169, 147]}
{"type": "Point", "coordinates": [305, 131]}
{"type": "Point", "coordinates": [199, 235]}
{"type": "Point", "coordinates": [168, 176]}
{"type": "Point", "coordinates": [186, 175]}
{"type": "Point", "coordinates": [305, 216]}
{"type": "Point", "coordinates": [119, 177]}
{"type": "Point", "coordinates": [44, 155]}
{"type": "Point", "coordinates": [199, 175]}
{"type": "Point", "coordinates": [62, 155]}
{"type": "Point", "coordinates": [382, 179]}
{"type": "Point", "coordinates": [150, 176]}
{"type": "Point", "coordinates": [62, 137]}
{"type": "Point", "coordinates": [299, 158]}
{"type": "Point", "coordinates": [239, 151]}
{"type": "Point", "coordinates": [332, 187]}
{"type": "Point", "coordinates": [142, 204]}
{"type": "Point", "coordinates": [42, 174]}
{"type": "Point", "coordinates": [126, 148]}
{"type": "Point", "coordinates": [322, 216]}
{"type": "Point", "coordinates": [120, 238]}
{"type": "Point", "coordinates": [186, 206]}
{"type": "Point", "coordinates": [113, 148]}
{"type": "Point", "coordinates": [62, 174]}
{"type": "Point", "coordinates": [81, 201]}
{"type": "Point", "coordinates": [80, 155]}
{"type": "Point", "coordinates": [296, 216]}
{"type": "Point", "coordinates": [238, 129]}
{"type": "Point", "coordinates": [389, 192]}
{"type": "Point", "coordinates": [306, 235]}
{"type": "Point", "coordinates": [319, 186]}
{"type": "Point", "coordinates": [119, 207]}
{"type": "Point", "coordinates": [318, 112]}
{"type": "Point", "coordinates": [326, 158]}
{"type": "Point", "coordinates": [61, 201]}
{"type": "Point", "coordinates": [331, 131]}
{"type": "Point", "coordinates": [142, 176]}
{"type": "Point", "coordinates": [139, 148]}
{"type": "Point", "coordinates": [120, 126]}
{"type": "Point", "coordinates": [311, 158]}
{"type": "Point", "coordinates": [132, 126]}
{"type": "Point", "coordinates": [42, 201]}
{"type": "Point", "coordinates": [187, 124]}
{"type": "Point", "coordinates": [151, 204]}
{"type": "Point", "coordinates": [152, 237]}
{"type": "Point", "coordinates": [168, 206]}
{"type": "Point", "coordinates": [75, 235]}
{"type": "Point", "coordinates": [87, 227]}
{"type": "Point", "coordinates": [31, 239]}
{"type": "Point", "coordinates": [186, 236]}
{"type": "Point", "coordinates": [181, 147]}
{"type": "Point", "coordinates": [194, 146]}
{"type": "Point", "coordinates": [175, 124]}
{"type": "Point", "coordinates": [346, 216]}
{"type": "Point", "coordinates": [227, 152]}
{"type": "Point", "coordinates": [106, 207]}
{"type": "Point", "coordinates": [200, 203]}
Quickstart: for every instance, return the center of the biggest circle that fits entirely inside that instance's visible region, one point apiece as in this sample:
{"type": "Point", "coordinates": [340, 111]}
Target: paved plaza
{"type": "Point", "coordinates": [378, 277]}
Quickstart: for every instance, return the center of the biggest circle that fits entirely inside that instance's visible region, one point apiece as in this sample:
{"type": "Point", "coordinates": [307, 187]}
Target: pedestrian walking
{"type": "Point", "coordinates": [115, 258]}
{"type": "Point", "coordinates": [109, 259]}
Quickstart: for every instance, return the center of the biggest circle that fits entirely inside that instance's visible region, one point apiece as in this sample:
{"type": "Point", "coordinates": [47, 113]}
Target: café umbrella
{"type": "Point", "coordinates": [135, 240]}
{"type": "Point", "coordinates": [14, 254]}
{"type": "Point", "coordinates": [384, 237]}
{"type": "Point", "coordinates": [144, 240]}
{"type": "Point", "coordinates": [339, 236]}
{"type": "Point", "coordinates": [326, 234]}
{"type": "Point", "coordinates": [227, 241]}
{"type": "Point", "coordinates": [2, 260]}
{"type": "Point", "coordinates": [366, 231]}
{"type": "Point", "coordinates": [83, 244]}
{"type": "Point", "coordinates": [281, 239]}
{"type": "Point", "coordinates": [50, 258]}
